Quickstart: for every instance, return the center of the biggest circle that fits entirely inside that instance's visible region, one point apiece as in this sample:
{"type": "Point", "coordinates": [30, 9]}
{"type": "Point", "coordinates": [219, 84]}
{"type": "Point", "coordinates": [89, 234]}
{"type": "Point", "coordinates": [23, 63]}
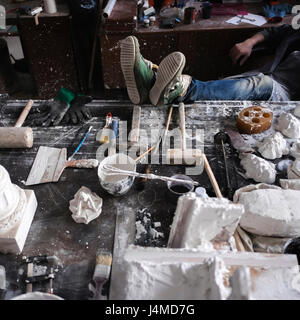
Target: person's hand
{"type": "Point", "coordinates": [241, 51]}
{"type": "Point", "coordinates": [50, 112]}
{"type": "Point", "coordinates": [78, 110]}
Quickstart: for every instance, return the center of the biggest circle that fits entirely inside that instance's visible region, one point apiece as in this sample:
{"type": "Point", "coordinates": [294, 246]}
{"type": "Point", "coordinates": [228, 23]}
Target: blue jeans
{"type": "Point", "coordinates": [258, 87]}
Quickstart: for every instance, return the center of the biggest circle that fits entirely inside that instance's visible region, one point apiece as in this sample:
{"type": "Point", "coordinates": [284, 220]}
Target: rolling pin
{"type": "Point", "coordinates": [17, 137]}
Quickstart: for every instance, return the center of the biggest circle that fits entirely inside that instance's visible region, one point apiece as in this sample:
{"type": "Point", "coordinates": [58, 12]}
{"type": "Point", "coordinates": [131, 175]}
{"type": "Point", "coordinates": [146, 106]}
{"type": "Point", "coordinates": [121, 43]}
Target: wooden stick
{"type": "Point", "coordinates": [238, 241]}
{"type": "Point", "coordinates": [212, 177]}
{"type": "Point", "coordinates": [142, 155]}
{"type": "Point", "coordinates": [24, 114]}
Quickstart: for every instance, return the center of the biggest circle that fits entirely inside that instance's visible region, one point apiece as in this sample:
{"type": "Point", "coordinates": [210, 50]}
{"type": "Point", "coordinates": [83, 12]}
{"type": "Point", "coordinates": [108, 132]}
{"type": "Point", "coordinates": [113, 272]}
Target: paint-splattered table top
{"type": "Point", "coordinates": [54, 232]}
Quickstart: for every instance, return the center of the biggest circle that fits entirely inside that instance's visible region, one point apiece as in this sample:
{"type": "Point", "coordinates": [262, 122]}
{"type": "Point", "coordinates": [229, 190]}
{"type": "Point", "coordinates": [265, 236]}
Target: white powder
{"type": "Point", "coordinates": [273, 147]}
{"type": "Point", "coordinates": [258, 169]}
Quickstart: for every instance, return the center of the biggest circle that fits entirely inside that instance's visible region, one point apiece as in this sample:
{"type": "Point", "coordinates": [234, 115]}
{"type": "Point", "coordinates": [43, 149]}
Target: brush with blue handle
{"type": "Point", "coordinates": [81, 143]}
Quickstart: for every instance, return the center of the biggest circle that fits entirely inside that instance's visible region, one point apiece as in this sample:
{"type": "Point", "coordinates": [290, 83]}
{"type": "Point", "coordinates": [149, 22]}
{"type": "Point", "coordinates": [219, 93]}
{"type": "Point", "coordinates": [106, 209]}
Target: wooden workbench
{"type": "Point", "coordinates": [53, 231]}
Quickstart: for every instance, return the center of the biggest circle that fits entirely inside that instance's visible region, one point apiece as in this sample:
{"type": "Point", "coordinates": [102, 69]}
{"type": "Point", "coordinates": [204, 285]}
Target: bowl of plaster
{"type": "Point", "coordinates": [116, 184]}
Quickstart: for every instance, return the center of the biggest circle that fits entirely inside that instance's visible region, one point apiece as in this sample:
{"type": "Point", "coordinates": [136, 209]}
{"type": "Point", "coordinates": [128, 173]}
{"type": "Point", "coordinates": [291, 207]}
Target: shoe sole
{"type": "Point", "coordinates": [170, 67]}
{"type": "Point", "coordinates": [127, 57]}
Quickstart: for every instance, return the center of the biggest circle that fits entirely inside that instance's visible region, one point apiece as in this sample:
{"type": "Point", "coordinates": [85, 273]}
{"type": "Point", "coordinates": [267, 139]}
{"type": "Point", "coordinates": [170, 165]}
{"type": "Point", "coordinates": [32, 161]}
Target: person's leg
{"type": "Point", "coordinates": [257, 87]}
{"type": "Point", "coordinates": [137, 71]}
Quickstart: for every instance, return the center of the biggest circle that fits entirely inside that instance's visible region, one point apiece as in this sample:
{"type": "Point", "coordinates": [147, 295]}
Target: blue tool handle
{"type": "Point", "coordinates": [81, 143]}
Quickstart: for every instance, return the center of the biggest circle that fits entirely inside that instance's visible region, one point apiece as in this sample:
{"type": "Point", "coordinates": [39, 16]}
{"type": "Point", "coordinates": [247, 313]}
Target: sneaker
{"type": "Point", "coordinates": [168, 85]}
{"type": "Point", "coordinates": [137, 71]}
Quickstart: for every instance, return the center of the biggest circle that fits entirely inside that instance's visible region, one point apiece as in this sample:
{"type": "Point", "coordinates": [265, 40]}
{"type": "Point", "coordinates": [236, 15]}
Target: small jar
{"type": "Point", "coordinates": [152, 20]}
{"type": "Point", "coordinates": [146, 23]}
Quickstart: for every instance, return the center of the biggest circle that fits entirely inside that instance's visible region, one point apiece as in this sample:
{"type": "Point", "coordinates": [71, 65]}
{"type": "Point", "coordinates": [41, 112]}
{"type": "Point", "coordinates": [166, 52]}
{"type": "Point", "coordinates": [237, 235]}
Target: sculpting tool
{"type": "Point", "coordinates": [102, 273]}
{"type": "Point", "coordinates": [81, 143]}
{"type": "Point", "coordinates": [183, 156]}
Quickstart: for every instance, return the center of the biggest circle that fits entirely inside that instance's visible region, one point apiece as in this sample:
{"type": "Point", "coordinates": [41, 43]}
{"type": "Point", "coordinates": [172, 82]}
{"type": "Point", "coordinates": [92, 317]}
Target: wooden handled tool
{"type": "Point", "coordinates": [17, 137]}
{"type": "Point", "coordinates": [183, 156]}
{"type": "Point", "coordinates": [217, 190]}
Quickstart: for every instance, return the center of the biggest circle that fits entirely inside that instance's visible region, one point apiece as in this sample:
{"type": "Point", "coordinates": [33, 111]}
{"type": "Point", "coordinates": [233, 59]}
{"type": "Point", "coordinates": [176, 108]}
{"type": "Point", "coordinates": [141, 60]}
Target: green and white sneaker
{"type": "Point", "coordinates": [137, 71]}
{"type": "Point", "coordinates": [169, 84]}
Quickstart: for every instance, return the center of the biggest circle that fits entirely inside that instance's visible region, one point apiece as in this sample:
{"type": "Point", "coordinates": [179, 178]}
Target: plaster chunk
{"type": "Point", "coordinates": [199, 221]}
{"type": "Point", "coordinates": [289, 125]}
{"type": "Point", "coordinates": [295, 149]}
{"type": "Point", "coordinates": [273, 147]}
{"type": "Point", "coordinates": [271, 212]}
{"type": "Point", "coordinates": [258, 169]}
{"type": "Point", "coordinates": [294, 170]}
{"type": "Point", "coordinates": [86, 206]}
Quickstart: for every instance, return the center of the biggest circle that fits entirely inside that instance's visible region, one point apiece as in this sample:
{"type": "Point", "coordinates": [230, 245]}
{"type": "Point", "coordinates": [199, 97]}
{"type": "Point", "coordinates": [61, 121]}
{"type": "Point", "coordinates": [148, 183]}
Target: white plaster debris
{"type": "Point", "coordinates": [262, 214]}
{"type": "Point", "coordinates": [86, 206]}
{"type": "Point", "coordinates": [294, 170]}
{"type": "Point", "coordinates": [273, 147]}
{"type": "Point", "coordinates": [140, 229]}
{"type": "Point", "coordinates": [258, 169]}
{"type": "Point", "coordinates": [157, 224]}
{"type": "Point", "coordinates": [155, 234]}
{"type": "Point", "coordinates": [297, 111]}
{"type": "Point", "coordinates": [295, 149]}
{"type": "Point", "coordinates": [293, 184]}
{"type": "Point", "coordinates": [289, 125]}
{"type": "Point", "coordinates": [198, 221]}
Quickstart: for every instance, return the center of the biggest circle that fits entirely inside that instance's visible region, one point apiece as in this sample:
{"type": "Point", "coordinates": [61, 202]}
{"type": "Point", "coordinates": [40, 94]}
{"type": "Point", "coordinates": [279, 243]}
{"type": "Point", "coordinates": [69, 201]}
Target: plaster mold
{"type": "Point", "coordinates": [17, 209]}
{"type": "Point", "coordinates": [295, 149]}
{"type": "Point", "coordinates": [172, 274]}
{"type": "Point", "coordinates": [273, 147]}
{"type": "Point", "coordinates": [258, 169]}
{"type": "Point", "coordinates": [86, 206]}
{"type": "Point", "coordinates": [262, 214]}
{"type": "Point", "coordinates": [294, 170]}
{"type": "Point", "coordinates": [200, 221]}
{"type": "Point", "coordinates": [289, 125]}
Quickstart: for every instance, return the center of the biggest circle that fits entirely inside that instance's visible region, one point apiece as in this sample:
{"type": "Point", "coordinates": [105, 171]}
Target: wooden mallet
{"type": "Point", "coordinates": [183, 156]}
{"type": "Point", "coordinates": [17, 137]}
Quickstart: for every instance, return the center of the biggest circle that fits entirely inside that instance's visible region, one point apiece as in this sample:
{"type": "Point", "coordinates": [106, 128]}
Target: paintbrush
{"type": "Point", "coordinates": [102, 273]}
{"type": "Point", "coordinates": [81, 143]}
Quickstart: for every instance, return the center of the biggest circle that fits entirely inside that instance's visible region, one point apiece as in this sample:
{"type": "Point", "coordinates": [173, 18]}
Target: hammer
{"type": "Point", "coordinates": [17, 137]}
{"type": "Point", "coordinates": [183, 156]}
